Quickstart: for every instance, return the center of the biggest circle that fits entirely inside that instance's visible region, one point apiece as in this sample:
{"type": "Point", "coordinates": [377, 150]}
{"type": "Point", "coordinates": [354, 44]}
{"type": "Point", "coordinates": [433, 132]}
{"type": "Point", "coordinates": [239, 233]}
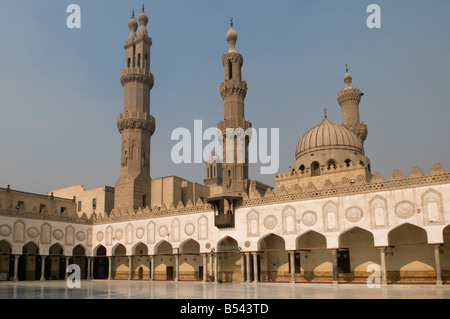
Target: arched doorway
{"type": "Point", "coordinates": [356, 252]}
{"type": "Point", "coordinates": [29, 267]}
{"type": "Point", "coordinates": [230, 260]}
{"type": "Point", "coordinates": [55, 263]}
{"type": "Point", "coordinates": [409, 257]}
{"type": "Point", "coordinates": [141, 262]}
{"type": "Point", "coordinates": [273, 260]}
{"type": "Point", "coordinates": [191, 266]}
{"type": "Point", "coordinates": [6, 261]}
{"type": "Point", "coordinates": [79, 258]}
{"type": "Point", "coordinates": [164, 261]}
{"type": "Point", "coordinates": [315, 259]}
{"type": "Point", "coordinates": [120, 265]}
{"type": "Point", "coordinates": [101, 264]}
{"type": "Point", "coordinates": [444, 254]}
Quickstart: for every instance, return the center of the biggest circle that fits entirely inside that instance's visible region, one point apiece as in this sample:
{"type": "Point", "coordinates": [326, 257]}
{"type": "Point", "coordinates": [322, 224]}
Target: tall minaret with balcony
{"type": "Point", "coordinates": [233, 91]}
{"type": "Point", "coordinates": [135, 124]}
{"type": "Point", "coordinates": [349, 99]}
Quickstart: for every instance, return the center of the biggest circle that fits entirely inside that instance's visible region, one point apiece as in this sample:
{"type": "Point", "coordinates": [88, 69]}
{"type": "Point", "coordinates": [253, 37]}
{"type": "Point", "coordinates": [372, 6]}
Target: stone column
{"type": "Point", "coordinates": [177, 267]}
{"type": "Point", "coordinates": [242, 267]}
{"type": "Point", "coordinates": [109, 267]}
{"type": "Point", "coordinates": [205, 265]}
{"type": "Point", "coordinates": [211, 266]}
{"type": "Point", "coordinates": [247, 257]}
{"type": "Point", "coordinates": [16, 267]}
{"type": "Point", "coordinates": [292, 259]}
{"type": "Point", "coordinates": [152, 267]}
{"type": "Point", "coordinates": [130, 265]}
{"type": "Point", "coordinates": [383, 266]}
{"type": "Point", "coordinates": [437, 258]}
{"type": "Point", "coordinates": [89, 268]}
{"type": "Point", "coordinates": [216, 268]}
{"type": "Point", "coordinates": [43, 268]}
{"type": "Point", "coordinates": [255, 267]}
{"type": "Point", "coordinates": [65, 270]}
{"type": "Point", "coordinates": [334, 261]}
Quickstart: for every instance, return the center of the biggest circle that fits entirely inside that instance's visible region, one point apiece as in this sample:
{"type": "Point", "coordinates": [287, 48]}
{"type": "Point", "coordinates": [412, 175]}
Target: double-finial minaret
{"type": "Point", "coordinates": [135, 124]}
{"type": "Point", "coordinates": [233, 91]}
{"type": "Point", "coordinates": [349, 99]}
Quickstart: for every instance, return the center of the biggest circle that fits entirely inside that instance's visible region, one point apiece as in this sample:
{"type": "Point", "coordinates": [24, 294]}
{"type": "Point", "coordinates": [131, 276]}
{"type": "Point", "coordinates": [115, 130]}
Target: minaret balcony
{"type": "Point", "coordinates": [137, 75]}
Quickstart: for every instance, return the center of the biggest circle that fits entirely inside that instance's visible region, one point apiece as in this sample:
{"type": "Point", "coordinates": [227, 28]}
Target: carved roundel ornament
{"type": "Point", "coordinates": [354, 214]}
{"type": "Point", "coordinates": [32, 232]}
{"type": "Point", "coordinates": [5, 230]}
{"type": "Point", "coordinates": [80, 236]}
{"type": "Point", "coordinates": [189, 229]}
{"type": "Point", "coordinates": [100, 236]}
{"type": "Point", "coordinates": [309, 218]}
{"type": "Point", "coordinates": [139, 233]}
{"type": "Point", "coordinates": [58, 234]}
{"type": "Point", "coordinates": [270, 222]}
{"type": "Point", "coordinates": [162, 231]}
{"type": "Point", "coordinates": [404, 210]}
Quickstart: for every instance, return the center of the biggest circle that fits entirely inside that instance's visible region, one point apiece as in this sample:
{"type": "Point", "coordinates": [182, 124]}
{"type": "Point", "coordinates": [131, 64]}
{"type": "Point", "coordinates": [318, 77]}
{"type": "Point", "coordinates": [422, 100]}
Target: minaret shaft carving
{"type": "Point", "coordinates": [135, 124]}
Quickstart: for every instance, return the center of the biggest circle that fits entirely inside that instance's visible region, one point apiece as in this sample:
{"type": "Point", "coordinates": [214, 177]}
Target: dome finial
{"type": "Point", "coordinates": [232, 37]}
{"type": "Point", "coordinates": [325, 112]}
{"type": "Point", "coordinates": [132, 15]}
{"type": "Point", "coordinates": [346, 67]}
{"type": "Point", "coordinates": [347, 78]}
{"type": "Point", "coordinates": [143, 8]}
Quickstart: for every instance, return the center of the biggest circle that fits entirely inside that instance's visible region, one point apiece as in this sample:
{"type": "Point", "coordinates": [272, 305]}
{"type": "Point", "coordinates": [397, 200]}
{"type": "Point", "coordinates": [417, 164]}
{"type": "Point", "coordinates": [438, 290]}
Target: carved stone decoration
{"type": "Point", "coordinates": [99, 236]}
{"type": "Point", "coordinates": [58, 234]}
{"type": "Point", "coordinates": [119, 234]}
{"type": "Point", "coordinates": [80, 236]}
{"type": "Point", "coordinates": [289, 221]}
{"type": "Point", "coordinates": [379, 212]}
{"type": "Point", "coordinates": [404, 209]}
{"type": "Point", "coordinates": [19, 232]}
{"type": "Point", "coordinates": [175, 229]}
{"type": "Point", "coordinates": [46, 234]}
{"type": "Point", "coordinates": [140, 233]}
{"type": "Point", "coordinates": [189, 229]}
{"type": "Point", "coordinates": [432, 207]}
{"type": "Point", "coordinates": [247, 244]}
{"type": "Point", "coordinates": [354, 214]}
{"type": "Point", "coordinates": [5, 230]}
{"type": "Point", "coordinates": [151, 233]}
{"type": "Point", "coordinates": [203, 228]}
{"type": "Point", "coordinates": [253, 223]}
{"type": "Point", "coordinates": [163, 231]}
{"type": "Point", "coordinates": [109, 231]}
{"type": "Point", "coordinates": [309, 218]}
{"type": "Point", "coordinates": [270, 222]}
{"type": "Point", "coordinates": [330, 213]}
{"type": "Point", "coordinates": [129, 234]}
{"type": "Point", "coordinates": [70, 236]}
{"type": "Point", "coordinates": [89, 237]}
{"type": "Point", "coordinates": [32, 232]}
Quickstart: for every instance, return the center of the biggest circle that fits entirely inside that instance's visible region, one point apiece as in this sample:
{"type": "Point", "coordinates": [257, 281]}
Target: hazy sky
{"type": "Point", "coordinates": [60, 90]}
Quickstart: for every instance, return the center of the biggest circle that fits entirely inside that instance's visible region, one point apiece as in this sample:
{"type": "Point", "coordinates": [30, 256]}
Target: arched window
{"type": "Point", "coordinates": [230, 70]}
{"type": "Point", "coordinates": [129, 63]}
{"type": "Point", "coordinates": [302, 168]}
{"type": "Point", "coordinates": [139, 60]}
{"type": "Point", "coordinates": [331, 164]}
{"type": "Point", "coordinates": [145, 61]}
{"type": "Point", "coordinates": [315, 169]}
{"type": "Point", "coordinates": [144, 201]}
{"type": "Point", "coordinates": [348, 162]}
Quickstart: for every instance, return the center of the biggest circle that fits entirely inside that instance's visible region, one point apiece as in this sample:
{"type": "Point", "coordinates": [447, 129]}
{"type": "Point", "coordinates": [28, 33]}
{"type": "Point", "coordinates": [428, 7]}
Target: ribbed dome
{"type": "Point", "coordinates": [328, 135]}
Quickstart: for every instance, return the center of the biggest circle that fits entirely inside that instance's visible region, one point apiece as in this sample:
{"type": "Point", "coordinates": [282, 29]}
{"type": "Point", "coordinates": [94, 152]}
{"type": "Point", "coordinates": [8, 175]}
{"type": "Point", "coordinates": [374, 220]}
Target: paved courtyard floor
{"type": "Point", "coordinates": [117, 289]}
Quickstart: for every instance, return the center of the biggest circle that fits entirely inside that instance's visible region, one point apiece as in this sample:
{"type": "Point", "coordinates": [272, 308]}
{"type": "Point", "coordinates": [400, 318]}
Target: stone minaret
{"type": "Point", "coordinates": [349, 99]}
{"type": "Point", "coordinates": [135, 124]}
{"type": "Point", "coordinates": [233, 91]}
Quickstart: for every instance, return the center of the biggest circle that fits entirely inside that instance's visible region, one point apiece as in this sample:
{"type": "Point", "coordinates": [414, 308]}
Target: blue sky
{"type": "Point", "coordinates": [60, 91]}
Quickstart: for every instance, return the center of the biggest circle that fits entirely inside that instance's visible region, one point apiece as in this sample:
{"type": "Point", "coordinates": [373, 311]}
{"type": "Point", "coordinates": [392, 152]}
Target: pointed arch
{"type": "Point", "coordinates": [356, 237]}
{"type": "Point", "coordinates": [119, 250]}
{"type": "Point", "coordinates": [56, 250]}
{"type": "Point", "coordinates": [227, 243]}
{"type": "Point", "coordinates": [5, 246]}
{"type": "Point", "coordinates": [311, 240]}
{"type": "Point", "coordinates": [190, 246]}
{"type": "Point", "coordinates": [407, 234]}
{"type": "Point", "coordinates": [271, 242]}
{"type": "Point", "coordinates": [79, 250]}
{"type": "Point", "coordinates": [163, 248]}
{"type": "Point", "coordinates": [99, 250]}
{"type": "Point", "coordinates": [140, 249]}
{"type": "Point", "coordinates": [30, 248]}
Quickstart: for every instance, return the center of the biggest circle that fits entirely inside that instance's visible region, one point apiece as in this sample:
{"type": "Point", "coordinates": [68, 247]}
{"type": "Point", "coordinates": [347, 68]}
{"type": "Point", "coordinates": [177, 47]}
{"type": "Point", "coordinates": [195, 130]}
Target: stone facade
{"type": "Point", "coordinates": [330, 222]}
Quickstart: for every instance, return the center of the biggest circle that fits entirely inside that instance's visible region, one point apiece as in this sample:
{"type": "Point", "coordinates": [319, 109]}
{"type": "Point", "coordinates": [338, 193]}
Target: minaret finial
{"type": "Point", "coordinates": [325, 112]}
{"type": "Point", "coordinates": [143, 8]}
{"type": "Point", "coordinates": [231, 22]}
{"type": "Point", "coordinates": [346, 67]}
{"type": "Point", "coordinates": [132, 14]}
